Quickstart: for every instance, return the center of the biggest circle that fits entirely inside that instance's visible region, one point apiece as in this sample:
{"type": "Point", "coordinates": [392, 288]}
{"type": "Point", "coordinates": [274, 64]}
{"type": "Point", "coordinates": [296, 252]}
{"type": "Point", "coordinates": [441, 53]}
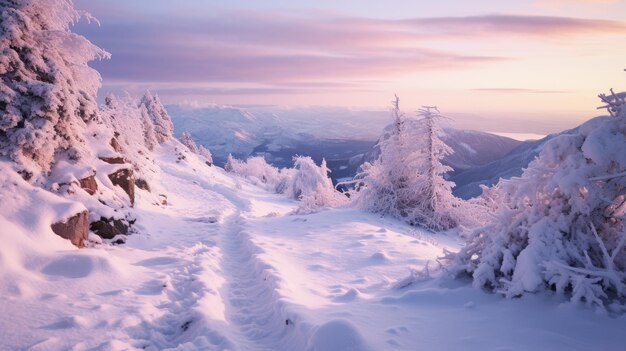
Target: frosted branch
{"type": "Point", "coordinates": [608, 176]}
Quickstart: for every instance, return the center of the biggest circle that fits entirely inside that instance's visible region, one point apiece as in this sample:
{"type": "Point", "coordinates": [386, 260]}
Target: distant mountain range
{"type": "Point", "coordinates": [345, 138]}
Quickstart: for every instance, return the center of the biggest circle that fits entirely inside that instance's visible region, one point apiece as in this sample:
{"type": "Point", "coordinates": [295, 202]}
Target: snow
{"type": "Point", "coordinates": [228, 266]}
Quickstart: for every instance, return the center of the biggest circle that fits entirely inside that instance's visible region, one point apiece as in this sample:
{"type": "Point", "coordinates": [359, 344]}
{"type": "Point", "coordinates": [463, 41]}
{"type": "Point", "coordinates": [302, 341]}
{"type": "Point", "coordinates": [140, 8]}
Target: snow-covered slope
{"type": "Point", "coordinates": [226, 266]}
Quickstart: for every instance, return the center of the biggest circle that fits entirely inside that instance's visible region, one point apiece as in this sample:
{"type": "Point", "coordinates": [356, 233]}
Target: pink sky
{"type": "Point", "coordinates": [540, 61]}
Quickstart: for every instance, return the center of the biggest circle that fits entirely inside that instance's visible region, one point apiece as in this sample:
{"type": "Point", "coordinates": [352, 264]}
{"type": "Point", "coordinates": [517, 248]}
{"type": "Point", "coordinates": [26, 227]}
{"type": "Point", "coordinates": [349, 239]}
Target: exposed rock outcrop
{"type": "Point", "coordinates": [113, 159]}
{"type": "Point", "coordinates": [108, 228]}
{"type": "Point", "coordinates": [75, 228]}
{"type": "Point", "coordinates": [89, 184]}
{"type": "Point", "coordinates": [115, 145]}
{"type": "Point", "coordinates": [142, 184]}
{"type": "Point", "coordinates": [125, 179]}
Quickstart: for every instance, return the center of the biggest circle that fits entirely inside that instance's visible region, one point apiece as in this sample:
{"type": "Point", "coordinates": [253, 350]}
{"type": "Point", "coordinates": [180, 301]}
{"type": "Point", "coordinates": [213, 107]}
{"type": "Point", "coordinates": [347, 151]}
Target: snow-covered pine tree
{"type": "Point", "coordinates": [406, 181]}
{"type": "Point", "coordinates": [149, 135]}
{"type": "Point", "coordinates": [435, 205]}
{"type": "Point", "coordinates": [163, 125]}
{"type": "Point", "coordinates": [186, 140]}
{"type": "Point", "coordinates": [230, 164]}
{"type": "Point", "coordinates": [47, 90]}
{"type": "Point", "coordinates": [384, 186]}
{"type": "Point", "coordinates": [204, 152]}
{"type": "Point", "coordinates": [561, 225]}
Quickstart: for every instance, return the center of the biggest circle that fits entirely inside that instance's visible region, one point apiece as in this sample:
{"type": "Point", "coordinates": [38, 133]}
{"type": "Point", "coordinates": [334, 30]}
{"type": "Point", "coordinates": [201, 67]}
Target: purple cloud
{"type": "Point", "coordinates": [283, 50]}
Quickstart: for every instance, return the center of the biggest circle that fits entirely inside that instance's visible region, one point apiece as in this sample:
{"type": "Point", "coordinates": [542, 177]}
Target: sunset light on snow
{"type": "Point", "coordinates": [329, 175]}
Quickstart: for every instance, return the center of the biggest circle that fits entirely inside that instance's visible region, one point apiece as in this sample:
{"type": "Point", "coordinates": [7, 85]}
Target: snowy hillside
{"type": "Point", "coordinates": [225, 266]}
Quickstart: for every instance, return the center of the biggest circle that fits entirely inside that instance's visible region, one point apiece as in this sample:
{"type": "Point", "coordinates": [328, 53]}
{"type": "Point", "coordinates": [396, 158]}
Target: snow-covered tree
{"type": "Point", "coordinates": [385, 186]}
{"type": "Point", "coordinates": [132, 128]}
{"type": "Point", "coordinates": [47, 90]}
{"type": "Point", "coordinates": [434, 207]}
{"type": "Point", "coordinates": [163, 126]}
{"type": "Point", "coordinates": [560, 226]}
{"type": "Point", "coordinates": [187, 140]}
{"type": "Point", "coordinates": [231, 164]}
{"type": "Point", "coordinates": [406, 181]}
{"type": "Point", "coordinates": [204, 152]}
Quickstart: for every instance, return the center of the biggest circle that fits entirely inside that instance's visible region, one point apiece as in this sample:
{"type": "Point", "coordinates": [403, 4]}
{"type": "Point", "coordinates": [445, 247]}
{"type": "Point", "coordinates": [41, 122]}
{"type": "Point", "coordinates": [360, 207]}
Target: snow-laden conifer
{"type": "Point", "coordinates": [163, 126]}
{"type": "Point", "coordinates": [187, 140]}
{"type": "Point", "coordinates": [47, 91]}
{"type": "Point", "coordinates": [434, 206]}
{"type": "Point", "coordinates": [407, 180]}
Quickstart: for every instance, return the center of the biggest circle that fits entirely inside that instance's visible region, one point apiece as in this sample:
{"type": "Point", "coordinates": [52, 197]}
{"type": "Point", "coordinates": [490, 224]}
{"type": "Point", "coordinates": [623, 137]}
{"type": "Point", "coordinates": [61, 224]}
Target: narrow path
{"type": "Point", "coordinates": [253, 303]}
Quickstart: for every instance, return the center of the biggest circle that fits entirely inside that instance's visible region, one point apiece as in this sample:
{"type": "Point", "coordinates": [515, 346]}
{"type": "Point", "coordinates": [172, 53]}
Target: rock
{"type": "Point", "coordinates": [115, 145]}
{"type": "Point", "coordinates": [89, 184]}
{"type": "Point", "coordinates": [108, 228]}
{"type": "Point", "coordinates": [113, 160]}
{"type": "Point", "coordinates": [125, 179]}
{"type": "Point", "coordinates": [163, 199]}
{"type": "Point", "coordinates": [142, 184]}
{"type": "Point", "coordinates": [75, 228]}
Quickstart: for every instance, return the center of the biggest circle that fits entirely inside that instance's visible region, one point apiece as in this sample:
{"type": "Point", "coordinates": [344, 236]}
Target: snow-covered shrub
{"type": "Point", "coordinates": [306, 181]}
{"type": "Point", "coordinates": [47, 90]}
{"type": "Point", "coordinates": [311, 185]}
{"type": "Point", "coordinates": [407, 180]}
{"type": "Point", "coordinates": [561, 224]}
{"type": "Point", "coordinates": [255, 169]}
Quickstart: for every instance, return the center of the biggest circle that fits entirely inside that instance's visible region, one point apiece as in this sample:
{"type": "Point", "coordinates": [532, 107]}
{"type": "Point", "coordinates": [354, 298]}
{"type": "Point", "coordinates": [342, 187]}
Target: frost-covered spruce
{"type": "Point", "coordinates": [187, 140]}
{"type": "Point", "coordinates": [406, 181]}
{"type": "Point", "coordinates": [560, 225]}
{"type": "Point", "coordinates": [384, 186]}
{"type": "Point", "coordinates": [435, 206]}
{"type": "Point", "coordinates": [47, 91]}
{"type": "Point", "coordinates": [204, 152]}
{"type": "Point", "coordinates": [163, 125]}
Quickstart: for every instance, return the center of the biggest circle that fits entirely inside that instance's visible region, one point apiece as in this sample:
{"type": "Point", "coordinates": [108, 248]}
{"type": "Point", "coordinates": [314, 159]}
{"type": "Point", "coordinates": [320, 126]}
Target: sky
{"type": "Point", "coordinates": [533, 66]}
